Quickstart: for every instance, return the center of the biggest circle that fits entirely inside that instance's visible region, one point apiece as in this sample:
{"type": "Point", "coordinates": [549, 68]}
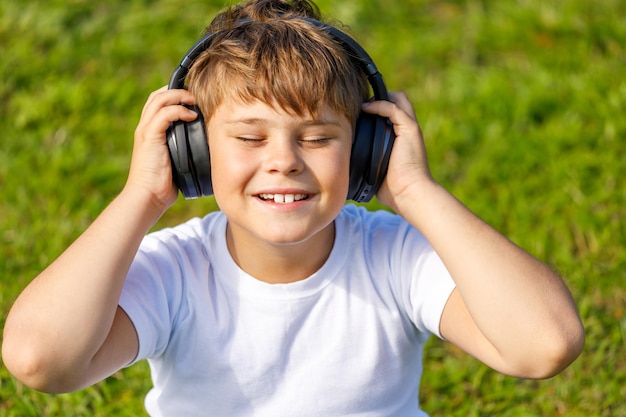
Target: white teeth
{"type": "Point", "coordinates": [283, 198]}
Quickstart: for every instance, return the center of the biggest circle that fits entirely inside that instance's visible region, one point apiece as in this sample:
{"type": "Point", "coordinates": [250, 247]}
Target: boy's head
{"type": "Point", "coordinates": [278, 53]}
{"type": "Point", "coordinates": [264, 50]}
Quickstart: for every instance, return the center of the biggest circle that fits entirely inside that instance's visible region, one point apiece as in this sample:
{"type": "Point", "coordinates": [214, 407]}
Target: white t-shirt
{"type": "Point", "coordinates": [346, 341]}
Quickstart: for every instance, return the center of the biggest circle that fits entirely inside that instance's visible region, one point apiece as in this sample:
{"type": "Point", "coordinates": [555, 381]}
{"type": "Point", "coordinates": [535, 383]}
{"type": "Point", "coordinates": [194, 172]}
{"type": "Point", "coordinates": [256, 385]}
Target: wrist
{"type": "Point", "coordinates": [149, 206]}
{"type": "Point", "coordinates": [414, 193]}
{"type": "Point", "coordinates": [420, 201]}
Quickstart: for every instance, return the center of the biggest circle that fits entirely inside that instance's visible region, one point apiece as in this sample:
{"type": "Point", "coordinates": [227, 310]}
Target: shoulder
{"type": "Point", "coordinates": [390, 246]}
{"type": "Point", "coordinates": [376, 227]}
{"type": "Point", "coordinates": [194, 228]}
{"type": "Point", "coordinates": [192, 235]}
{"type": "Point", "coordinates": [353, 215]}
{"type": "Point", "coordinates": [168, 259]}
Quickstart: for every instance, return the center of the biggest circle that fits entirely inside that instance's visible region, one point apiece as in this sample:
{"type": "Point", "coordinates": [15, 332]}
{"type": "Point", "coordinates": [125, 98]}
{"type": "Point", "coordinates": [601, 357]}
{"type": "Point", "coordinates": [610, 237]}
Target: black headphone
{"type": "Point", "coordinates": [371, 148]}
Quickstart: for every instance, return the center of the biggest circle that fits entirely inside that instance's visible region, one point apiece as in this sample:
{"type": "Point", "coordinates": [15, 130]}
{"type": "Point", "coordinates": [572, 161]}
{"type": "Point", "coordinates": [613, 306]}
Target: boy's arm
{"type": "Point", "coordinates": [66, 331]}
{"type": "Point", "coordinates": [508, 309]}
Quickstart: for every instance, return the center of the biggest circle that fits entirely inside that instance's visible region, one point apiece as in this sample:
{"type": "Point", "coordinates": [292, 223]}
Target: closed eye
{"type": "Point", "coordinates": [250, 139]}
{"type": "Point", "coordinates": [315, 141]}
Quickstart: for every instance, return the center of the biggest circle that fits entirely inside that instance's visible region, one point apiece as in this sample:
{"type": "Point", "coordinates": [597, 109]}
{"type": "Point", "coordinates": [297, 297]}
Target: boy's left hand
{"type": "Point", "coordinates": [408, 164]}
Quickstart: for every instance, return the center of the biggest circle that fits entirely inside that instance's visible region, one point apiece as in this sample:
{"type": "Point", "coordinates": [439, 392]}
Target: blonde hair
{"type": "Point", "coordinates": [264, 50]}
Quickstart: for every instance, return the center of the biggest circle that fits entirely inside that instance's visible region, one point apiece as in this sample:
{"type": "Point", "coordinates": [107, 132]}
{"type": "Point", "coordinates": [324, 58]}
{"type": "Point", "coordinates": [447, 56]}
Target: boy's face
{"type": "Point", "coordinates": [279, 178]}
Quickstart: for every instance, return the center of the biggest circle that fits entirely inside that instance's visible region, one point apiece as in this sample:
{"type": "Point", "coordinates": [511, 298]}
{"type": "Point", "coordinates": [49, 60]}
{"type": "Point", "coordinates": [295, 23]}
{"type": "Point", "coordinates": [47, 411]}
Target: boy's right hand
{"type": "Point", "coordinates": [150, 169]}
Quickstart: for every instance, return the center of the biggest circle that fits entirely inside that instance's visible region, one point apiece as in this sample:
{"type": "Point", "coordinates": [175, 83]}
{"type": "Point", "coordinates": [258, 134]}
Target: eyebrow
{"type": "Point", "coordinates": [262, 121]}
{"type": "Point", "coordinates": [247, 121]}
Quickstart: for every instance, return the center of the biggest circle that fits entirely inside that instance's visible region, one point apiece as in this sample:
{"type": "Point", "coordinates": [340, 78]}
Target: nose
{"type": "Point", "coordinates": [283, 156]}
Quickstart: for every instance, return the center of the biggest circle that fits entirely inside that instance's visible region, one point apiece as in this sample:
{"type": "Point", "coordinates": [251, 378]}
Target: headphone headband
{"type": "Point", "coordinates": [356, 52]}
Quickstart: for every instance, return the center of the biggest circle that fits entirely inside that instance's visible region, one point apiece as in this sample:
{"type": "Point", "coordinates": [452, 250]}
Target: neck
{"type": "Point", "coordinates": [281, 263]}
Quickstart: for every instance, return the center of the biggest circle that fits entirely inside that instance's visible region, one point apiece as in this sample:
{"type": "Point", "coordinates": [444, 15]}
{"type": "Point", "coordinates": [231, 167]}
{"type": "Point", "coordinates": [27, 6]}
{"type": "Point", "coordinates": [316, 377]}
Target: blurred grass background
{"type": "Point", "coordinates": [523, 108]}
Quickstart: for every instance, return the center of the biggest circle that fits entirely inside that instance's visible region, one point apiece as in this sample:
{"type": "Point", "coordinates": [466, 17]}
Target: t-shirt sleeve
{"type": "Point", "coordinates": [430, 287]}
{"type": "Point", "coordinates": [421, 282]}
{"type": "Point", "coordinates": [148, 296]}
{"type": "Point", "coordinates": [152, 295]}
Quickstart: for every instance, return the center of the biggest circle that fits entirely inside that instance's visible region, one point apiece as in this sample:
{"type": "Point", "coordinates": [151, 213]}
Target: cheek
{"type": "Point", "coordinates": [336, 173]}
{"type": "Point", "coordinates": [227, 169]}
{"type": "Point", "coordinates": [229, 178]}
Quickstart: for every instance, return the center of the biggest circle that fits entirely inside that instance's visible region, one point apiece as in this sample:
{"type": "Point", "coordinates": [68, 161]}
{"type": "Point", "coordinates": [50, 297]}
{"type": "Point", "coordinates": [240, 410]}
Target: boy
{"type": "Point", "coordinates": [287, 301]}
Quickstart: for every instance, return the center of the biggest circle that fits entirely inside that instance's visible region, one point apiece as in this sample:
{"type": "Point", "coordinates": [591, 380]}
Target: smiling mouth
{"type": "Point", "coordinates": [283, 198]}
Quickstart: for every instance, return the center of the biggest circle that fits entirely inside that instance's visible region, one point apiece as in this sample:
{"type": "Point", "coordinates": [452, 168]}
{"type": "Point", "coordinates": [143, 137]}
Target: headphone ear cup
{"type": "Point", "coordinates": [200, 155]}
{"type": "Point", "coordinates": [382, 145]}
{"type": "Point", "coordinates": [360, 155]}
{"type": "Point", "coordinates": [181, 171]}
{"type": "Point", "coordinates": [189, 156]}
{"type": "Point", "coordinates": [369, 160]}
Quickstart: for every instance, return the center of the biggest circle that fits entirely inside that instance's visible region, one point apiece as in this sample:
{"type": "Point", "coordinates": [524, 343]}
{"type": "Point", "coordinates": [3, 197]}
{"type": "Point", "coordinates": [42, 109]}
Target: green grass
{"type": "Point", "coordinates": [522, 105]}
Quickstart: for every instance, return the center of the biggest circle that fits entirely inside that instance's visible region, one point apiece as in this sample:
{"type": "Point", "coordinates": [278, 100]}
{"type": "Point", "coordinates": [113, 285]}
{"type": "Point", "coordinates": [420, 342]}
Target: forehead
{"type": "Point", "coordinates": [234, 110]}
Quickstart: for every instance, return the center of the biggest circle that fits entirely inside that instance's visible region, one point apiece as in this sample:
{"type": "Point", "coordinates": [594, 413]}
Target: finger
{"type": "Point", "coordinates": [402, 100]}
{"type": "Point", "coordinates": [151, 98]}
{"type": "Point", "coordinates": [156, 125]}
{"type": "Point", "coordinates": [398, 116]}
{"type": "Point", "coordinates": [165, 97]}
